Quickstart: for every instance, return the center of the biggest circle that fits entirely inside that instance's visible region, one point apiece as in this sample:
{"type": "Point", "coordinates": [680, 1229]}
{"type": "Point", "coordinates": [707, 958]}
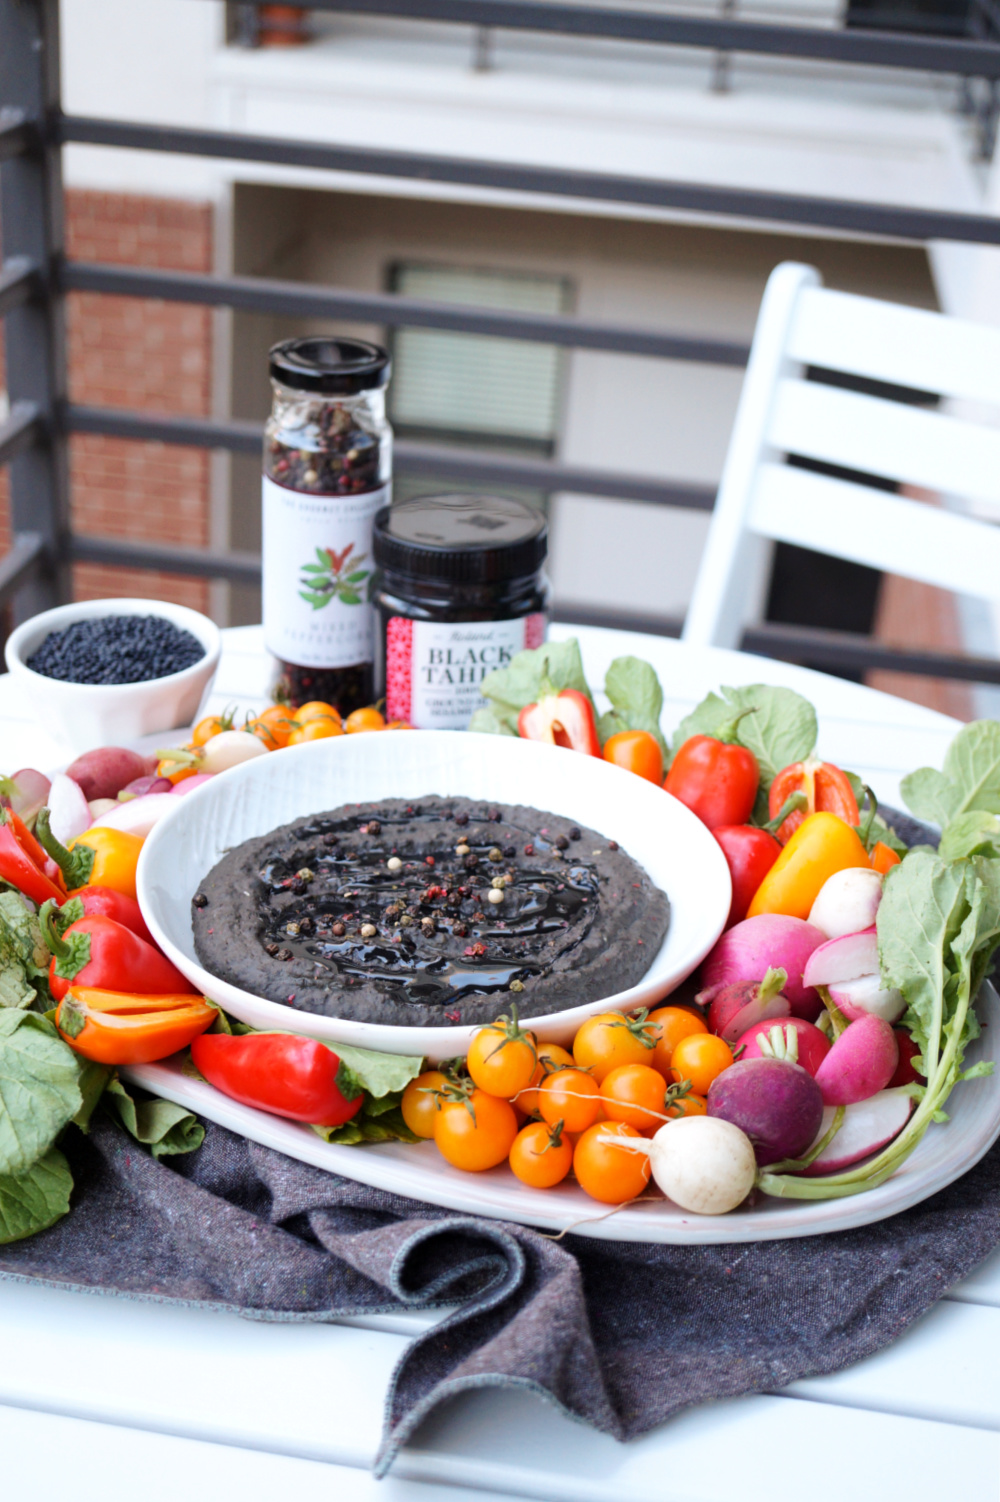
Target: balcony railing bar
{"type": "Point", "coordinates": [300, 300]}
{"type": "Point", "coordinates": [20, 431]}
{"type": "Point", "coordinates": [973, 58]}
{"type": "Point", "coordinates": [19, 281]}
{"type": "Point", "coordinates": [204, 563]}
{"type": "Point", "coordinates": [460, 465]}
{"type": "Point", "coordinates": [17, 135]}
{"type": "Point", "coordinates": [21, 565]}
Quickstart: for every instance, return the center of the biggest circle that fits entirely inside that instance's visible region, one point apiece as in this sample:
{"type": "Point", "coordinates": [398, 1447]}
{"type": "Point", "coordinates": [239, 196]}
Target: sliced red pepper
{"type": "Point", "coordinates": [98, 952]}
{"type": "Point", "coordinates": [563, 719]}
{"type": "Point", "coordinates": [17, 864]}
{"type": "Point", "coordinates": [295, 1077]}
{"type": "Point", "coordinates": [826, 789]}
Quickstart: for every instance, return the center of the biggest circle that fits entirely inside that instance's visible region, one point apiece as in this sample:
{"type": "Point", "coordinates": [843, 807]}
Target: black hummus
{"type": "Point", "coordinates": [424, 912]}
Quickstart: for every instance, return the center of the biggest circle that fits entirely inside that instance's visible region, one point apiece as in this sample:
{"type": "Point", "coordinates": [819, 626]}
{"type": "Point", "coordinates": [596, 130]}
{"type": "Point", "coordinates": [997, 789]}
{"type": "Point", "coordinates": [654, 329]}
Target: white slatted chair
{"type": "Point", "coordinates": [762, 497]}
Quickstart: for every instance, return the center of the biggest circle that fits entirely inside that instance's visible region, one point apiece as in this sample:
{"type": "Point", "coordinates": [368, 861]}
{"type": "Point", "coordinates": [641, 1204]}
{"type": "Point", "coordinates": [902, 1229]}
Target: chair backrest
{"type": "Point", "coordinates": [761, 496]}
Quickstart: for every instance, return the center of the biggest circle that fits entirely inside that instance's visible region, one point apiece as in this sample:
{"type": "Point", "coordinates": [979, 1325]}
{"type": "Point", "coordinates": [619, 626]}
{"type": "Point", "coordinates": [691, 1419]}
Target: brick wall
{"type": "Point", "coordinates": [151, 355]}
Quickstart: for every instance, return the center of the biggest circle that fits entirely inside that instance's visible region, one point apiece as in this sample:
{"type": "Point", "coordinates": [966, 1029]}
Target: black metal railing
{"type": "Point", "coordinates": [36, 276]}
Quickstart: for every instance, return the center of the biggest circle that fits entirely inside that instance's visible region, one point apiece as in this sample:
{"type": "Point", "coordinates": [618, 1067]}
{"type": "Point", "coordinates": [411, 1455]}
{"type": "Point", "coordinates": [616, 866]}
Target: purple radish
{"type": "Point", "coordinates": [775, 1102]}
{"type": "Point", "coordinates": [770, 941]}
{"type": "Point", "coordinates": [770, 1040]}
{"type": "Point", "coordinates": [104, 772]}
{"type": "Point", "coordinates": [847, 902]}
{"type": "Point", "coordinates": [142, 785]}
{"type": "Point", "coordinates": [68, 811]}
{"type": "Point", "coordinates": [739, 1006]}
{"type": "Point", "coordinates": [861, 1062]}
{"type": "Point", "coordinates": [865, 997]}
{"type": "Point", "coordinates": [867, 1127]}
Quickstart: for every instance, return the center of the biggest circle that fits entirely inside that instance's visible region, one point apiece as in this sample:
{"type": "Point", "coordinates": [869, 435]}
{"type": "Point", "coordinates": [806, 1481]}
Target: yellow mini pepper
{"type": "Point", "coordinates": [822, 845]}
{"type": "Point", "coordinates": [116, 855]}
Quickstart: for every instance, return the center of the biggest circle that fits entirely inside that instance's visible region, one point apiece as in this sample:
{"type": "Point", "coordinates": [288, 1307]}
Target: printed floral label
{"type": "Point", "coordinates": [434, 669]}
{"type": "Point", "coordinates": [318, 569]}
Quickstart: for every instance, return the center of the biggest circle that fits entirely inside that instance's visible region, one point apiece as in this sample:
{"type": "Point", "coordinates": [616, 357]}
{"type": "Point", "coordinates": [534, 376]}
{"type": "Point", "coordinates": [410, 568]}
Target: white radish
{"type": "Point", "coordinates": [867, 1127]}
{"type": "Point", "coordinates": [227, 749]}
{"type": "Point", "coordinates": [138, 815]}
{"type": "Point", "coordinates": [865, 997]}
{"type": "Point", "coordinates": [69, 814]}
{"type": "Point", "coordinates": [861, 1062]}
{"type": "Point", "coordinates": [847, 902]}
{"type": "Point", "coordinates": [846, 958]}
{"type": "Point", "coordinates": [702, 1163]}
{"type": "Point", "coordinates": [99, 806]}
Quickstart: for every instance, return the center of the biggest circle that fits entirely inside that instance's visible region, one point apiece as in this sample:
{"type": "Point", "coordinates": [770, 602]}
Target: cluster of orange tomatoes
{"type": "Point", "coordinates": [549, 1111]}
{"type": "Point", "coordinates": [279, 725]}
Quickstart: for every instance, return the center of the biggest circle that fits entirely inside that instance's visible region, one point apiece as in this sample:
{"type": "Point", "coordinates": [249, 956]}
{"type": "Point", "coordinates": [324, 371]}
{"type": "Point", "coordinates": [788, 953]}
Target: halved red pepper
{"type": "Point", "coordinates": [295, 1077]}
{"type": "Point", "coordinates": [563, 719]}
{"type": "Point", "coordinates": [98, 952]}
{"type": "Point", "coordinates": [19, 863]}
{"type": "Point", "coordinates": [826, 788]}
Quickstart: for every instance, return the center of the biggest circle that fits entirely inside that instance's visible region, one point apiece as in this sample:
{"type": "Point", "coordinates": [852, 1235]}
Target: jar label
{"type": "Point", "coordinates": [317, 573]}
{"type": "Point", "coordinates": [433, 669]}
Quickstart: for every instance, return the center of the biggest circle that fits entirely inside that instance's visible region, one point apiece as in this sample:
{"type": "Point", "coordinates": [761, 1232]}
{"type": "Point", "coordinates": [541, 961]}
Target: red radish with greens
{"type": "Point", "coordinates": [775, 1102]}
{"type": "Point", "coordinates": [906, 1072]}
{"type": "Point", "coordinates": [847, 903]}
{"type": "Point", "coordinates": [849, 969]}
{"type": "Point", "coordinates": [737, 1007]}
{"type": "Point", "coordinates": [770, 941]}
{"type": "Point", "coordinates": [793, 1039]}
{"type": "Point", "coordinates": [861, 1062]}
{"type": "Point", "coordinates": [25, 792]}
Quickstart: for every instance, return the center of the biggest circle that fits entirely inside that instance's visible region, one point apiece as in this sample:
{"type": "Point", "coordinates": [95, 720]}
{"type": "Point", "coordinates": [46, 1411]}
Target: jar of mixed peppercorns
{"type": "Point", "coordinates": [327, 471]}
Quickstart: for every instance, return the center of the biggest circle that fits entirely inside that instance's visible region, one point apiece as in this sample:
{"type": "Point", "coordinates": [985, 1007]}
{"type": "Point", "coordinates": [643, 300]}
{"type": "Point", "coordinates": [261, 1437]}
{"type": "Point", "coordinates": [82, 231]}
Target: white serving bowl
{"type": "Point", "coordinates": [100, 714]}
{"type": "Point", "coordinates": [676, 849]}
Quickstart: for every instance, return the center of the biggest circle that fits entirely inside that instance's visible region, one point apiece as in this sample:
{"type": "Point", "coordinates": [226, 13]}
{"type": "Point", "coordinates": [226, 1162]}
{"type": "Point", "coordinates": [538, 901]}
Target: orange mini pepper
{"type": "Point", "coordinates": [117, 1027]}
{"type": "Point", "coordinates": [883, 858]}
{"type": "Point", "coordinates": [116, 855]}
{"type": "Point", "coordinates": [822, 845]}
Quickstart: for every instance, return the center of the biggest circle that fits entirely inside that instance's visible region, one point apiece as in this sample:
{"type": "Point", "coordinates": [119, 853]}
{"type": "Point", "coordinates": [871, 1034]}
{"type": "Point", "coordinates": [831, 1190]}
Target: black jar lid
{"type": "Point", "coordinates": [469, 539]}
{"type": "Point", "coordinates": [331, 367]}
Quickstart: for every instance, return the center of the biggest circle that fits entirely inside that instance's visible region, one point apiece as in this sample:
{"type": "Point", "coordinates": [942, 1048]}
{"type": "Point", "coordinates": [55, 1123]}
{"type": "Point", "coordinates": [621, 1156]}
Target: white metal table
{"type": "Point", "coordinates": [198, 1404]}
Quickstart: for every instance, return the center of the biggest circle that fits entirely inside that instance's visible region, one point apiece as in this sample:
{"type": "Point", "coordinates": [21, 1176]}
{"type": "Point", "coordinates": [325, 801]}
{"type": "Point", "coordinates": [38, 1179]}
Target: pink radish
{"type": "Point", "coordinates": [865, 997]}
{"type": "Point", "coordinates": [139, 786]}
{"type": "Point", "coordinates": [188, 784]}
{"type": "Point", "coordinates": [807, 1045]}
{"type": "Point", "coordinates": [26, 791]}
{"type": "Point", "coordinates": [776, 1103]}
{"type": "Point", "coordinates": [866, 1128]}
{"type": "Point", "coordinates": [770, 941]}
{"type": "Point", "coordinates": [860, 1063]}
{"type": "Point", "coordinates": [138, 815]}
{"type": "Point", "coordinates": [849, 969]}
{"type": "Point", "coordinates": [739, 1006]}
{"type": "Point", "coordinates": [847, 902]}
{"type": "Point", "coordinates": [68, 811]}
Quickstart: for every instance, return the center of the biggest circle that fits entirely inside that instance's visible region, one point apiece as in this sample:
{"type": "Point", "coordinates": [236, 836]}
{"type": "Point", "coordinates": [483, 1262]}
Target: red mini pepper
{"type": "Point", "coordinates": [99, 953]}
{"type": "Point", "coordinates": [563, 719]}
{"type": "Point", "coordinates": [716, 778]}
{"type": "Point", "coordinates": [19, 863]}
{"type": "Point", "coordinates": [295, 1077]}
{"type": "Point", "coordinates": [111, 904]}
{"type": "Point", "coordinates": [750, 853]}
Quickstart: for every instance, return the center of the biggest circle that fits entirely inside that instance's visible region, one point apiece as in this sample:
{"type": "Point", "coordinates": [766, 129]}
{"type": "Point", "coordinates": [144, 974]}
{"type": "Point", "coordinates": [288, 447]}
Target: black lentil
{"type": "Point", "coordinates": [117, 649]}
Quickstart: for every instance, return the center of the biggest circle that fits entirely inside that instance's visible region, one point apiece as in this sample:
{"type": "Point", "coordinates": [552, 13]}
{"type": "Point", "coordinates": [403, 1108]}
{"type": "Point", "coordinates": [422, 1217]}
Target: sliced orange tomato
{"type": "Point", "coordinates": [826, 789]}
{"type": "Point", "coordinates": [117, 1027]}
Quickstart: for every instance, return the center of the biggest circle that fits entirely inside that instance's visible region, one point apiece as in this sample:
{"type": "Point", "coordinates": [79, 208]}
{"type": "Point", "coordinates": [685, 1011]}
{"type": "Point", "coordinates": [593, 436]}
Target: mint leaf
{"type": "Point", "coordinates": [556, 665]}
{"type": "Point", "coordinates": [166, 1129]}
{"type": "Point", "coordinates": [377, 1073]}
{"type": "Point", "coordinates": [34, 1200]}
{"type": "Point", "coordinates": [636, 700]}
{"type": "Point", "coordinates": [39, 1089]}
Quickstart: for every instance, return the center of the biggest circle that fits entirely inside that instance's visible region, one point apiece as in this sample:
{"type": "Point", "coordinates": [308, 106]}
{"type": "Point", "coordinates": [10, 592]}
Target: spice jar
{"type": "Point", "coordinates": [327, 468]}
{"type": "Point", "coordinates": [460, 589]}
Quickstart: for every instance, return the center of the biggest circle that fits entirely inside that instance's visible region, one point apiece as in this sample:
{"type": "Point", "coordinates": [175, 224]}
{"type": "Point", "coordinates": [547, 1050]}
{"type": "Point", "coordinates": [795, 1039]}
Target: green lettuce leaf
{"type": "Point", "coordinates": [93, 1081]}
{"type": "Point", "coordinates": [968, 782]}
{"type": "Point", "coordinates": [970, 834]}
{"type": "Point", "coordinates": [636, 700]}
{"type": "Point", "coordinates": [34, 1200]}
{"type": "Point", "coordinates": [39, 1089]}
{"type": "Point", "coordinates": [379, 1074]}
{"type": "Point", "coordinates": [552, 667]}
{"type": "Point", "coordinates": [373, 1123]}
{"type": "Point", "coordinates": [24, 957]}
{"type": "Point", "coordinates": [166, 1129]}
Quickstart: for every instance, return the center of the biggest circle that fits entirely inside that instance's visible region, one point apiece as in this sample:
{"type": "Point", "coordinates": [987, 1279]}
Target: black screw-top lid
{"type": "Point", "coordinates": [331, 367]}
{"type": "Point", "coordinates": [469, 539]}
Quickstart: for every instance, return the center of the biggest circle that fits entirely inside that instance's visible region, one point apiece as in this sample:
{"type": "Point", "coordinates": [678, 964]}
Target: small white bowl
{"type": "Point", "coordinates": [678, 852]}
{"type": "Point", "coordinates": [86, 715]}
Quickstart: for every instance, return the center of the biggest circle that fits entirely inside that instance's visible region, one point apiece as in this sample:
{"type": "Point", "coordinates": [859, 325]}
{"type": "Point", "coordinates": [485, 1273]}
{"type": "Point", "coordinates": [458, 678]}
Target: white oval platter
{"type": "Point", "coordinates": [674, 847]}
{"type": "Point", "coordinates": [419, 1172]}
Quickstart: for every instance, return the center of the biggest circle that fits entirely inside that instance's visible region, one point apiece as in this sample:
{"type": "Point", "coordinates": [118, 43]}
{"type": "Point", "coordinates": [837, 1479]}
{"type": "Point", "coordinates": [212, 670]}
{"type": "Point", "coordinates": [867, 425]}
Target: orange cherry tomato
{"type": "Point", "coordinates": [399, 725]}
{"type": "Point", "coordinates": [883, 858]}
{"type": "Point", "coordinates": [541, 1156]}
{"type": "Point", "coordinates": [826, 789]}
{"type": "Point", "coordinates": [635, 1093]}
{"type": "Point", "coordinates": [315, 709]}
{"type": "Point", "coordinates": [569, 1096]}
{"type": "Point", "coordinates": [213, 724]}
{"type": "Point", "coordinates": [671, 1025]}
{"type": "Point", "coordinates": [700, 1058]}
{"type": "Point", "coordinates": [263, 732]}
{"type": "Point", "coordinates": [550, 1058]}
{"type": "Point", "coordinates": [609, 1039]}
{"type": "Point", "coordinates": [421, 1104]}
{"type": "Point", "coordinates": [279, 721]}
{"type": "Point", "coordinates": [172, 772]}
{"type": "Point", "coordinates": [315, 730]}
{"type": "Point", "coordinates": [475, 1133]}
{"type": "Point", "coordinates": [502, 1059]}
{"type": "Point", "coordinates": [364, 719]}
{"type": "Point", "coordinates": [687, 1104]}
{"type": "Point", "coordinates": [637, 751]}
{"type": "Point", "coordinates": [607, 1172]}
